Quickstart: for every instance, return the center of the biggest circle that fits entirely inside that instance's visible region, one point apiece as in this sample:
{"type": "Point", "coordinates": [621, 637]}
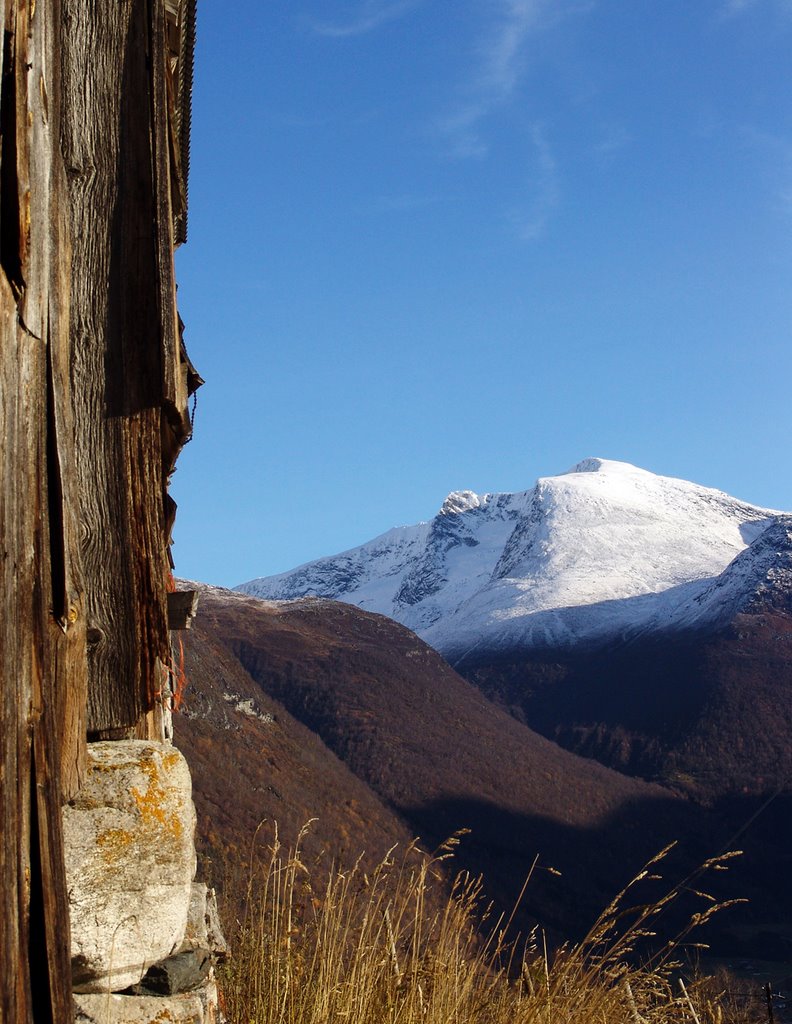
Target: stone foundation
{"type": "Point", "coordinates": [111, 1008]}
{"type": "Point", "coordinates": [144, 935]}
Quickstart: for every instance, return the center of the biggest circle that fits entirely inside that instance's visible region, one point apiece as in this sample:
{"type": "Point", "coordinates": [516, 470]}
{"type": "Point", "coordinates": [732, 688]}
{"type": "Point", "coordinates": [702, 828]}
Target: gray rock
{"type": "Point", "coordinates": [203, 923]}
{"type": "Point", "coordinates": [110, 1008]}
{"type": "Point", "coordinates": [130, 860]}
{"type": "Point", "coordinates": [183, 972]}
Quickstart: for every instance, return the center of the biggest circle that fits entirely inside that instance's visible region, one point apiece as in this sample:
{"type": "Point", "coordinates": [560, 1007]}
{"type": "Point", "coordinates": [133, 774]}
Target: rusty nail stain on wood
{"type": "Point", "coordinates": [44, 98]}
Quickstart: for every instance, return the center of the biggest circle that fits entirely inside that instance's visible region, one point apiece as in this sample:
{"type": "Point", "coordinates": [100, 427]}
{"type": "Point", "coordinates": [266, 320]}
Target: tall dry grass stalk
{"type": "Point", "coordinates": [388, 948]}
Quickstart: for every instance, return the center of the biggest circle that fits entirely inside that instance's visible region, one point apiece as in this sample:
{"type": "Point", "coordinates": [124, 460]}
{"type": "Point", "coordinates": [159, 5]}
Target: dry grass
{"type": "Point", "coordinates": [391, 947]}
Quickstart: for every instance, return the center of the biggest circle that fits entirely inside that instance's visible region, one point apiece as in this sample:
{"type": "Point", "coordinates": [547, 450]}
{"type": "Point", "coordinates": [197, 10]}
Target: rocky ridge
{"type": "Point", "coordinates": [600, 554]}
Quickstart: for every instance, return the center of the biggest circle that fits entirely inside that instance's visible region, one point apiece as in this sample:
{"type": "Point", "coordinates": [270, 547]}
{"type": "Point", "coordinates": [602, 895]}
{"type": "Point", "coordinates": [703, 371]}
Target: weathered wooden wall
{"type": "Point", "coordinates": [42, 656]}
{"type": "Point", "coordinates": [123, 339]}
{"type": "Point", "coordinates": [93, 411]}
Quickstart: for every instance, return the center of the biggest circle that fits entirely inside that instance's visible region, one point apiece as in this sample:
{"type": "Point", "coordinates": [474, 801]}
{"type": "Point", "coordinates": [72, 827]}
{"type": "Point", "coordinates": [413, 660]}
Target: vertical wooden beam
{"type": "Point", "coordinates": [117, 354]}
{"type": "Point", "coordinates": [16, 657]}
{"type": "Point", "coordinates": [60, 672]}
{"type": "Point", "coordinates": [45, 305]}
{"type": "Point", "coordinates": [174, 387]}
{"type": "Point", "coordinates": [41, 673]}
{"type": "Point", "coordinates": [89, 357]}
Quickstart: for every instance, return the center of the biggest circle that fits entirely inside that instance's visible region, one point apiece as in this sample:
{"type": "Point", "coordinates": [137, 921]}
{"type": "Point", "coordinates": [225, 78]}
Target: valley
{"type": "Point", "coordinates": [600, 666]}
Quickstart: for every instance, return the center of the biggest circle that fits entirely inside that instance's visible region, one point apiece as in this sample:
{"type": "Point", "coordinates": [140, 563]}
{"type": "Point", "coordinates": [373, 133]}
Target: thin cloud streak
{"type": "Point", "coordinates": [734, 8]}
{"type": "Point", "coordinates": [501, 68]}
{"type": "Point", "coordinates": [371, 15]}
{"type": "Point", "coordinates": [613, 141]}
{"type": "Point", "coordinates": [504, 56]}
{"type": "Point", "coordinates": [532, 222]}
{"type": "Point", "coordinates": [503, 61]}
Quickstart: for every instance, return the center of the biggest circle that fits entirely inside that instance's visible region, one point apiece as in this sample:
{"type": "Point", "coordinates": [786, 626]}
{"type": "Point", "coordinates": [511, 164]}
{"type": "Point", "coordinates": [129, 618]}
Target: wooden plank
{"type": "Point", "coordinates": [59, 669]}
{"type": "Point", "coordinates": [82, 366]}
{"type": "Point", "coordinates": [50, 229]}
{"type": "Point", "coordinates": [187, 16]}
{"type": "Point", "coordinates": [117, 355]}
{"type": "Point", "coordinates": [35, 975]}
{"type": "Point", "coordinates": [50, 949]}
{"type": "Point", "coordinates": [91, 167]}
{"type": "Point", "coordinates": [12, 662]}
{"type": "Point", "coordinates": [15, 668]}
{"type": "Point", "coordinates": [70, 667]}
{"type": "Point", "coordinates": [18, 502]}
{"type": "Point", "coordinates": [174, 383]}
{"type": "Point", "coordinates": [182, 608]}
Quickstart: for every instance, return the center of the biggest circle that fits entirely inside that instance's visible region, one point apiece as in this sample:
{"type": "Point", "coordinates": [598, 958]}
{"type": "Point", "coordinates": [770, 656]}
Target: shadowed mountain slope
{"type": "Point", "coordinates": [706, 710]}
{"type": "Point", "coordinates": [362, 704]}
{"type": "Point", "coordinates": [640, 620]}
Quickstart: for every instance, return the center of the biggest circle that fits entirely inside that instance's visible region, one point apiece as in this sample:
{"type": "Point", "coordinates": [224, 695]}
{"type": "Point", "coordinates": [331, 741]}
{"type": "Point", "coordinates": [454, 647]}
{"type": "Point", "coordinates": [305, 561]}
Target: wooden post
{"type": "Point", "coordinates": [42, 659]}
{"type": "Point", "coordinates": [93, 392]}
{"type": "Point", "coordinates": [122, 343]}
{"type": "Point", "coordinates": [182, 608]}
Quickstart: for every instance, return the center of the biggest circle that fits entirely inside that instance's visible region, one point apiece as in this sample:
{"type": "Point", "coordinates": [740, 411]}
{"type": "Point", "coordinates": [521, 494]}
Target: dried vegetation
{"type": "Point", "coordinates": [397, 946]}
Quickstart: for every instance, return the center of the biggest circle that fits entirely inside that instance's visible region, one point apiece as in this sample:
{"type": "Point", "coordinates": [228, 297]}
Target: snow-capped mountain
{"type": "Point", "coordinates": [605, 551]}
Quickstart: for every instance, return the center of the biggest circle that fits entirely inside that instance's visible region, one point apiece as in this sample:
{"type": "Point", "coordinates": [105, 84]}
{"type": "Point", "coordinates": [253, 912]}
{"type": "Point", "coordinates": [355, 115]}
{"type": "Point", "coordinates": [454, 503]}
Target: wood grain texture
{"type": "Point", "coordinates": [161, 152]}
{"type": "Point", "coordinates": [17, 490]}
{"type": "Point", "coordinates": [93, 410]}
{"type": "Point", "coordinates": [68, 668]}
{"type": "Point", "coordinates": [182, 608]}
{"type": "Point", "coordinates": [16, 655]}
{"type": "Point", "coordinates": [117, 351]}
{"type": "Point", "coordinates": [59, 670]}
{"type": "Point", "coordinates": [170, 193]}
{"type": "Point", "coordinates": [39, 676]}
{"type": "Point", "coordinates": [92, 378]}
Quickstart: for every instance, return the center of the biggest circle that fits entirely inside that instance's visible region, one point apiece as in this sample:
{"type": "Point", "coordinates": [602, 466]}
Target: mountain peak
{"type": "Point", "coordinates": [460, 501]}
{"type": "Point", "coordinates": [596, 465]}
{"type": "Point", "coordinates": [589, 556]}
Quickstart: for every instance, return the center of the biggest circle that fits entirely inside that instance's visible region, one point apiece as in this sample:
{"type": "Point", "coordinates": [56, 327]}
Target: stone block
{"type": "Point", "coordinates": [203, 923]}
{"type": "Point", "coordinates": [130, 860]}
{"type": "Point", "coordinates": [111, 1008]}
{"type": "Point", "coordinates": [180, 973]}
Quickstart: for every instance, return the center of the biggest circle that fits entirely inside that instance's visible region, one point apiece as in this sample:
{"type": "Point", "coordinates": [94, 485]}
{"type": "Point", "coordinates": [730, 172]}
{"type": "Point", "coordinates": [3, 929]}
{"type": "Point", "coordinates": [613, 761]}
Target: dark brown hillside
{"type": "Point", "coordinates": [709, 715]}
{"type": "Point", "coordinates": [437, 753]}
{"type": "Point", "coordinates": [252, 762]}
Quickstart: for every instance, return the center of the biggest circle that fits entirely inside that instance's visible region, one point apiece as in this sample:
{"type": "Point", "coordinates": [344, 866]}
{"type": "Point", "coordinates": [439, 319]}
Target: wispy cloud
{"type": "Point", "coordinates": [495, 81]}
{"type": "Point", "coordinates": [733, 8]}
{"type": "Point", "coordinates": [369, 16]}
{"type": "Point", "coordinates": [613, 140]}
{"type": "Point", "coordinates": [502, 62]}
{"type": "Point", "coordinates": [504, 55]}
{"type": "Point", "coordinates": [530, 219]}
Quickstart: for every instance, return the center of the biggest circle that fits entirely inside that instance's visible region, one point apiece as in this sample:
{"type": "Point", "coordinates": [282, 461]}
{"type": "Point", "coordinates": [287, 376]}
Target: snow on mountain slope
{"type": "Point", "coordinates": [600, 552]}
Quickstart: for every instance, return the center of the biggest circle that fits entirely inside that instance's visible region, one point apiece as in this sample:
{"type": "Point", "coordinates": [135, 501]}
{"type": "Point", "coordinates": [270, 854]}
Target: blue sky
{"type": "Point", "coordinates": [438, 245]}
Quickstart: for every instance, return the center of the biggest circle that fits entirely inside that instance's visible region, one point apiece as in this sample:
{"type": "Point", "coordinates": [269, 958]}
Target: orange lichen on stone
{"type": "Point", "coordinates": [152, 803]}
{"type": "Point", "coordinates": [113, 842]}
